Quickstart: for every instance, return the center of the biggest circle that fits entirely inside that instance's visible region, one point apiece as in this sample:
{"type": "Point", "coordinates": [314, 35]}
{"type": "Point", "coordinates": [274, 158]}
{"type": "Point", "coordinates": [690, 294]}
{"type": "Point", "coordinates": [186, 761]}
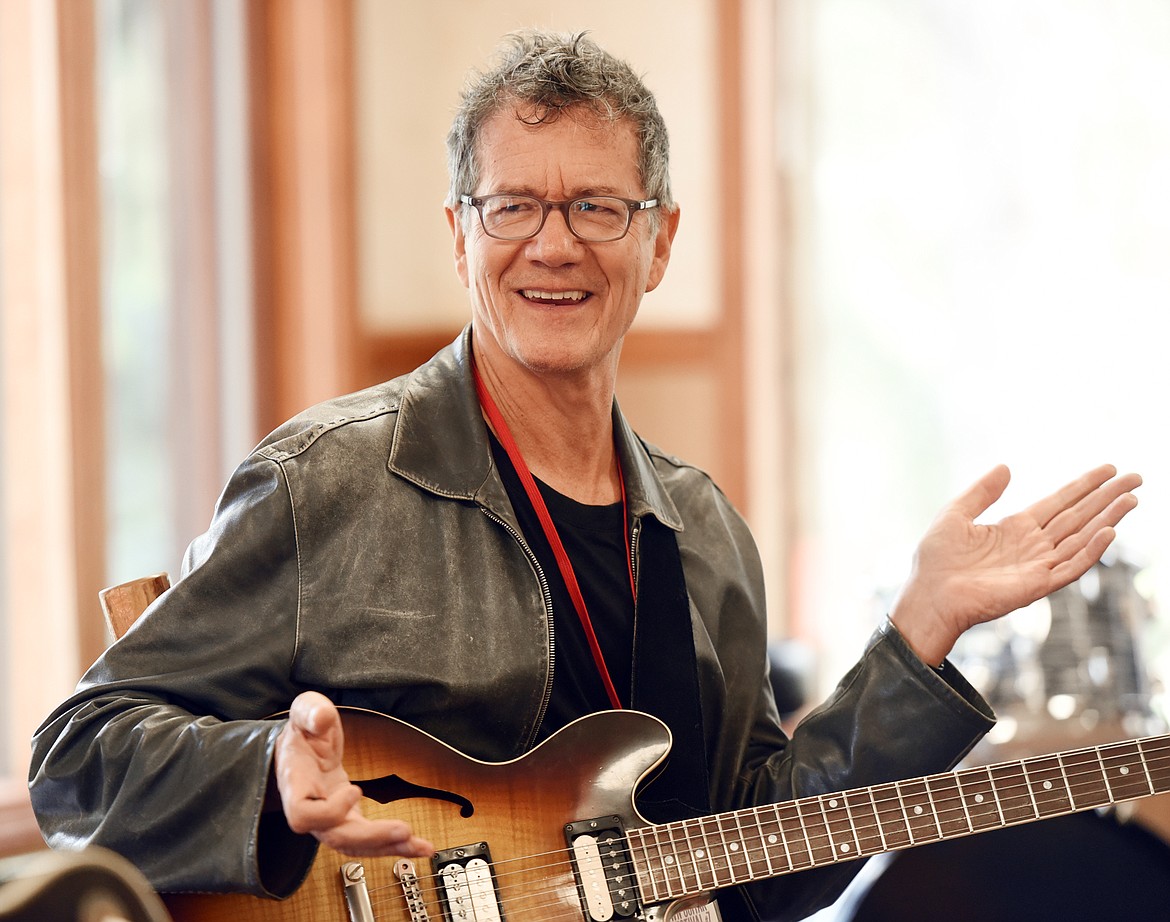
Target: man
{"type": "Point", "coordinates": [400, 550]}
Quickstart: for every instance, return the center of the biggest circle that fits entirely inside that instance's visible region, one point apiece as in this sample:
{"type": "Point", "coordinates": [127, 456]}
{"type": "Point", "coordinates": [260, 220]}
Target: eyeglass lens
{"type": "Point", "coordinates": [516, 216]}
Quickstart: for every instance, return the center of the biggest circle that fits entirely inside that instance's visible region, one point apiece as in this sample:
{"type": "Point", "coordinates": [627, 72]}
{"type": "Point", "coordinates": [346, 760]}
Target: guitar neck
{"type": "Point", "coordinates": [688, 857]}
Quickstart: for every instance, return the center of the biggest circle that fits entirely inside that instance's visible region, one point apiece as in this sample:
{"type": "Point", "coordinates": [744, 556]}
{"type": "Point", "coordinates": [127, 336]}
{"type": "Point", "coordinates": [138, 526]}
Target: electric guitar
{"type": "Point", "coordinates": [554, 837]}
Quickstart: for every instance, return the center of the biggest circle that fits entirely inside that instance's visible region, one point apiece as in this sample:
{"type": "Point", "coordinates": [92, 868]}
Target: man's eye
{"type": "Point", "coordinates": [513, 207]}
{"type": "Point", "coordinates": [598, 208]}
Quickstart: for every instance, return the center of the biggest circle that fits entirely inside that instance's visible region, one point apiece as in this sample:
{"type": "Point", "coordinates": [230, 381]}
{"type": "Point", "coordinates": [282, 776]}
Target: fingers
{"type": "Point", "coordinates": [338, 822]}
{"type": "Point", "coordinates": [319, 812]}
{"type": "Point", "coordinates": [1079, 563]}
{"type": "Point", "coordinates": [1103, 503]}
{"type": "Point", "coordinates": [375, 838]}
{"type": "Point", "coordinates": [315, 791]}
{"type": "Point", "coordinates": [1072, 493]}
{"type": "Point", "coordinates": [1089, 534]}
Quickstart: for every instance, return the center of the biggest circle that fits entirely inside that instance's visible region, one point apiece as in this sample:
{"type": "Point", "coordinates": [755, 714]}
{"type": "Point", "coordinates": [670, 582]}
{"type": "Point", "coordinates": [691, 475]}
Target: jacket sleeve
{"type": "Point", "coordinates": [163, 753]}
{"type": "Point", "coordinates": [891, 717]}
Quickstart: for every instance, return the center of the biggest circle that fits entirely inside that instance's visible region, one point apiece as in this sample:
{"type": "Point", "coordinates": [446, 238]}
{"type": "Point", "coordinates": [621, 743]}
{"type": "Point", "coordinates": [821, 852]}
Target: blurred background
{"type": "Point", "coordinates": [918, 238]}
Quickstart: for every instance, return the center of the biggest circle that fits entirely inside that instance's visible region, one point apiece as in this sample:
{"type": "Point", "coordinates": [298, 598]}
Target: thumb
{"type": "Point", "coordinates": [313, 714]}
{"type": "Point", "coordinates": [982, 494]}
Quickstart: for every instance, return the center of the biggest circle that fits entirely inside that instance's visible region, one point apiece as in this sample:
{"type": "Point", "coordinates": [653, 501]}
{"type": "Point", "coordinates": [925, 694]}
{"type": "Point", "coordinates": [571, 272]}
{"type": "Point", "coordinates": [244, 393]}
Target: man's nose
{"type": "Point", "coordinates": [555, 243]}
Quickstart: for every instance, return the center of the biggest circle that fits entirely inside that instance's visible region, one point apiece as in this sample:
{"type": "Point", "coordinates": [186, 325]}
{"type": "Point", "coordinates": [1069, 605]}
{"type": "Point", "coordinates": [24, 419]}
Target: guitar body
{"type": "Point", "coordinates": [519, 809]}
{"type": "Point", "coordinates": [554, 836]}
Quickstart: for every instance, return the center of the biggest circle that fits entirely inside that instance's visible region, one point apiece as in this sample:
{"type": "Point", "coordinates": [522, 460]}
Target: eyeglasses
{"type": "Point", "coordinates": [593, 218]}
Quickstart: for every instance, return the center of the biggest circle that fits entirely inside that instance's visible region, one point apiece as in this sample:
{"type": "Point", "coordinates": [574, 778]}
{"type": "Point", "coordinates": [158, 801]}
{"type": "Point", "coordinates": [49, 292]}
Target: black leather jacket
{"type": "Point", "coordinates": [367, 549]}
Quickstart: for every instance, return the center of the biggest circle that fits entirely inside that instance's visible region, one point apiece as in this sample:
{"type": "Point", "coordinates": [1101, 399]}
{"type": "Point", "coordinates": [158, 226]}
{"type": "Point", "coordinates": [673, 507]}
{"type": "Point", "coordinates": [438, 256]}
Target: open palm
{"type": "Point", "coordinates": [316, 793]}
{"type": "Point", "coordinates": [965, 573]}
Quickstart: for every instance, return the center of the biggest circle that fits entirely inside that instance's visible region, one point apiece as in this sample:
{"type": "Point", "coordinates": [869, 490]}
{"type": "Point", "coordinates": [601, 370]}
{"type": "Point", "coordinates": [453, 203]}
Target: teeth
{"type": "Point", "coordinates": [553, 295]}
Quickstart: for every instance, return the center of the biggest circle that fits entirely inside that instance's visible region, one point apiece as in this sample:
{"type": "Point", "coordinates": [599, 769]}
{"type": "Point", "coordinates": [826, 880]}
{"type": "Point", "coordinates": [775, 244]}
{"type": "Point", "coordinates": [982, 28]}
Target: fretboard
{"type": "Point", "coordinates": [679, 859]}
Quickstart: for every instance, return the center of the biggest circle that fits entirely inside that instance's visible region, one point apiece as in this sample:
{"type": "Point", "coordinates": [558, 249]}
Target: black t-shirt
{"type": "Point", "coordinates": [594, 538]}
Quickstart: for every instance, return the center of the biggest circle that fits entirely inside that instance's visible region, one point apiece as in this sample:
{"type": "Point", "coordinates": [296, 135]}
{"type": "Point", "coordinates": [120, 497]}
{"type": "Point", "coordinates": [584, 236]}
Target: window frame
{"type": "Point", "coordinates": [52, 389]}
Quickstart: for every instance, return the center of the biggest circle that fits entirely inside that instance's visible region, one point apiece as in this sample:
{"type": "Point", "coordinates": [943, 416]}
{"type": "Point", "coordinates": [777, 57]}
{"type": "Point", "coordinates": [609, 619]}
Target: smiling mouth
{"type": "Point", "coordinates": [554, 297]}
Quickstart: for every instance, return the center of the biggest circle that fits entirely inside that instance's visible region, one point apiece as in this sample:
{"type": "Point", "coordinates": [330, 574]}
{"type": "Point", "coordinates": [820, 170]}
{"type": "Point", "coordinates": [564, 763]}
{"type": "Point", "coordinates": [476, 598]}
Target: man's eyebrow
{"type": "Point", "coordinates": [584, 192]}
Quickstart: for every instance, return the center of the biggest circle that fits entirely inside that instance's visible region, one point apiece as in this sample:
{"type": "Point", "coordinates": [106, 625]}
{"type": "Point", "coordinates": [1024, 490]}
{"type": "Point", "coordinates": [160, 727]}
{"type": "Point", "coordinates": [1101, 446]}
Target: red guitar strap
{"type": "Point", "coordinates": [504, 434]}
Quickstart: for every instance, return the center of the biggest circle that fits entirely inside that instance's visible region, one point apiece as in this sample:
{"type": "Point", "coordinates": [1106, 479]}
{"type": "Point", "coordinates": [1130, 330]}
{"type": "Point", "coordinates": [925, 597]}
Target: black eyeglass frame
{"type": "Point", "coordinates": [632, 205]}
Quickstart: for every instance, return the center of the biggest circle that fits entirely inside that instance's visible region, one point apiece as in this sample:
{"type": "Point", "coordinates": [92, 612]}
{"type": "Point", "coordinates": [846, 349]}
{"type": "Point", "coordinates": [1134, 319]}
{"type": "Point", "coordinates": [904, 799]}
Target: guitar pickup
{"type": "Point", "coordinates": [467, 884]}
{"type": "Point", "coordinates": [601, 862]}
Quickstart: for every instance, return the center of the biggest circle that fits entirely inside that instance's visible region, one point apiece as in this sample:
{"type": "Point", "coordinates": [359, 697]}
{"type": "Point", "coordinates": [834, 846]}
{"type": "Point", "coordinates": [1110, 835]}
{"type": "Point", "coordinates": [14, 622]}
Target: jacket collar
{"type": "Point", "coordinates": [440, 442]}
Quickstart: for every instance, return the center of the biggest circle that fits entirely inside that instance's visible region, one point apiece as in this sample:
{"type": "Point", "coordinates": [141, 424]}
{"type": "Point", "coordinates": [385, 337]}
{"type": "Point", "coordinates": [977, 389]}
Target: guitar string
{"type": "Point", "coordinates": [822, 834]}
{"type": "Point", "coordinates": [696, 834]}
{"type": "Point", "coordinates": [1015, 800]}
{"type": "Point", "coordinates": [664, 888]}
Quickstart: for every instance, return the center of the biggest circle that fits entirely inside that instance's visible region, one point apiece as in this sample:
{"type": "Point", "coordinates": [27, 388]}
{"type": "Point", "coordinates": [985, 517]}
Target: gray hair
{"type": "Point", "coordinates": [548, 73]}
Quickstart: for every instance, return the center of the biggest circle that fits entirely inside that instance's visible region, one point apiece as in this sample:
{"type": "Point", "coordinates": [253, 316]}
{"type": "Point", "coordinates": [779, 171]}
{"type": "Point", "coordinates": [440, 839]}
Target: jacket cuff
{"type": "Point", "coordinates": [281, 859]}
{"type": "Point", "coordinates": [946, 683]}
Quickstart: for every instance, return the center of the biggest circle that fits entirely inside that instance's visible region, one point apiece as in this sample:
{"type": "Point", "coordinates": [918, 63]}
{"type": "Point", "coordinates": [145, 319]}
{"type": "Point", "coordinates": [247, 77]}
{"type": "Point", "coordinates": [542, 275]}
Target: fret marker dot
{"type": "Point", "coordinates": [734, 846]}
{"type": "Point", "coordinates": [918, 810]}
{"type": "Point", "coordinates": [978, 798]}
{"type": "Point", "coordinates": [669, 859]}
{"type": "Point", "coordinates": [1125, 769]}
{"type": "Point", "coordinates": [699, 853]}
{"type": "Point", "coordinates": [1048, 785]}
{"type": "Point", "coordinates": [844, 848]}
{"type": "Point", "coordinates": [772, 840]}
{"type": "Point", "coordinates": [833, 804]}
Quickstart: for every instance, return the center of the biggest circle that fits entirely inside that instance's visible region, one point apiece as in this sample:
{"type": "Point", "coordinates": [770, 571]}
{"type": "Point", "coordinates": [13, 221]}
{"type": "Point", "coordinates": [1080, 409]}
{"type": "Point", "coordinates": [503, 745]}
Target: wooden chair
{"type": "Point", "coordinates": [90, 885]}
{"type": "Point", "coordinates": [122, 604]}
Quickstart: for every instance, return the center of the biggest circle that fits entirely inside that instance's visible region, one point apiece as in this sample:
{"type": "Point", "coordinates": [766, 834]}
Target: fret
{"type": "Point", "coordinates": [1086, 779]}
{"type": "Point", "coordinates": [734, 852]}
{"type": "Point", "coordinates": [695, 858]}
{"type": "Point", "coordinates": [919, 811]}
{"type": "Point", "coordinates": [650, 861]}
{"type": "Point", "coordinates": [755, 851]}
{"type": "Point", "coordinates": [877, 820]}
{"type": "Point", "coordinates": [678, 860]}
{"type": "Point", "coordinates": [891, 816]}
{"type": "Point", "coordinates": [816, 830]}
{"type": "Point", "coordinates": [706, 856]}
{"type": "Point", "coordinates": [842, 835]}
{"type": "Point", "coordinates": [1064, 778]}
{"type": "Point", "coordinates": [1125, 772]}
{"type": "Point", "coordinates": [795, 836]}
{"type": "Point", "coordinates": [863, 816]}
{"type": "Point", "coordinates": [1047, 787]}
{"type": "Point", "coordinates": [979, 799]}
{"type": "Point", "coordinates": [949, 813]}
{"type": "Point", "coordinates": [1011, 789]}
{"type": "Point", "coordinates": [771, 836]}
{"type": "Point", "coordinates": [672, 866]}
{"type": "Point", "coordinates": [1157, 755]}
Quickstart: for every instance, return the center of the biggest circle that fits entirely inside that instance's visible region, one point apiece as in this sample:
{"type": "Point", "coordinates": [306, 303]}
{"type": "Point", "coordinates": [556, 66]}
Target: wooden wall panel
{"type": "Point", "coordinates": [53, 502]}
{"type": "Point", "coordinates": [302, 92]}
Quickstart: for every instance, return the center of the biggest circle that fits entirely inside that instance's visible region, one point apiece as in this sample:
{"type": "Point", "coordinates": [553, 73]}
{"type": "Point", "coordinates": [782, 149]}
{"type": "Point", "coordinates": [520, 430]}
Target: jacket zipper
{"type": "Point", "coordinates": [546, 594]}
{"type": "Point", "coordinates": [635, 533]}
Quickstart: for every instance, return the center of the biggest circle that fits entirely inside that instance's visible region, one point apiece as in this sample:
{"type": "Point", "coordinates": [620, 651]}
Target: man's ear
{"type": "Point", "coordinates": [455, 222]}
{"type": "Point", "coordinates": [663, 240]}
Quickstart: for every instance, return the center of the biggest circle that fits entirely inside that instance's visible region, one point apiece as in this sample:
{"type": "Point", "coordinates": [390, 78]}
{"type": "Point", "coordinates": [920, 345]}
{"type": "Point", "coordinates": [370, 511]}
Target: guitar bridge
{"type": "Point", "coordinates": [468, 884]}
{"type": "Point", "coordinates": [601, 862]}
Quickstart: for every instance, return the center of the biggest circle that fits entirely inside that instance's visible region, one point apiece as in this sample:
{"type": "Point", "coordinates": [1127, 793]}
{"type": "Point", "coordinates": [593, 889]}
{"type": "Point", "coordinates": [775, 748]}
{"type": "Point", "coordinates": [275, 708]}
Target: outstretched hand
{"type": "Point", "coordinates": [316, 793]}
{"type": "Point", "coordinates": [965, 573]}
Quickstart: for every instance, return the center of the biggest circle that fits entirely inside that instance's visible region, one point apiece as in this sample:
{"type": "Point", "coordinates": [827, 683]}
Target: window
{"type": "Point", "coordinates": [127, 390]}
{"type": "Point", "coordinates": [987, 221]}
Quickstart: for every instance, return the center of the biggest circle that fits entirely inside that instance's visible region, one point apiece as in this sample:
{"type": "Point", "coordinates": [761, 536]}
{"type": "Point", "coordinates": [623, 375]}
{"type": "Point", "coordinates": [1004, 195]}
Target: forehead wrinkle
{"type": "Point", "coordinates": [508, 167]}
{"type": "Point", "coordinates": [572, 195]}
